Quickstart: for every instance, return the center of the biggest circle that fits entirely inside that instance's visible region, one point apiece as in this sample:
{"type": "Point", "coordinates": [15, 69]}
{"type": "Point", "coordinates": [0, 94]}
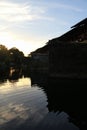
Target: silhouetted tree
{"type": "Point", "coordinates": [16, 57]}
{"type": "Point", "coordinates": [13, 58]}
{"type": "Point", "coordinates": [4, 60]}
{"type": "Point", "coordinates": [3, 54]}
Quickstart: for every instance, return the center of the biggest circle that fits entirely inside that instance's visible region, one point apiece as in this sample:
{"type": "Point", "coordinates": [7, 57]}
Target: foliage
{"type": "Point", "coordinates": [3, 54]}
{"type": "Point", "coordinates": [12, 58]}
{"type": "Point", "coordinates": [16, 56]}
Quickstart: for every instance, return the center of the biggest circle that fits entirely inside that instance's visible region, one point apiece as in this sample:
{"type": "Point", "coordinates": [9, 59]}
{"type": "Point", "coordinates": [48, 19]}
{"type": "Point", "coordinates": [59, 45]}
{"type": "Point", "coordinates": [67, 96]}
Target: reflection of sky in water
{"type": "Point", "coordinates": [25, 107]}
{"type": "Point", "coordinates": [19, 102]}
{"type": "Point", "coordinates": [13, 111]}
{"type": "Point", "coordinates": [8, 86]}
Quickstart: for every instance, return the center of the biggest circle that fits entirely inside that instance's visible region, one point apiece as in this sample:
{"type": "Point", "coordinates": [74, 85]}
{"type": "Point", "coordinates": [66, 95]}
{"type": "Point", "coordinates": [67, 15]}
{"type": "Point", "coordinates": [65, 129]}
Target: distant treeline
{"type": "Point", "coordinates": [12, 58]}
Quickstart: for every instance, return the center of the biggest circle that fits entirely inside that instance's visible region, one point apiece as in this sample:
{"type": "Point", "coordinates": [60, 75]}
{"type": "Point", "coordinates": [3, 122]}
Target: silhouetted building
{"type": "Point", "coordinates": [77, 34]}
{"type": "Point", "coordinates": [68, 53]}
{"type": "Point", "coordinates": [39, 60]}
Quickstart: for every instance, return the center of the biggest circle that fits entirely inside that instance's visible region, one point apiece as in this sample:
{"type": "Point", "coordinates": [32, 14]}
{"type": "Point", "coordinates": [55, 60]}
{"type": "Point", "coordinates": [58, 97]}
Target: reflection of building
{"type": "Point", "coordinates": [68, 96]}
{"type": "Point", "coordinates": [72, 100]}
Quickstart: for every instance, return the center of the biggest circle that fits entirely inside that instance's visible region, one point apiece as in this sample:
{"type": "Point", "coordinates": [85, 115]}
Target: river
{"type": "Point", "coordinates": [26, 104]}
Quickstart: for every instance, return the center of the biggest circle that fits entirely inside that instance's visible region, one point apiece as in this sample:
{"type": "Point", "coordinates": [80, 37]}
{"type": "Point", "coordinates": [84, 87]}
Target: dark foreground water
{"type": "Point", "coordinates": [32, 104]}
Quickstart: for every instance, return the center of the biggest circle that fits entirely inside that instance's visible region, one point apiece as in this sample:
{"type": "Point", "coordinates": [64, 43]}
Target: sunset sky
{"type": "Point", "coordinates": [29, 24]}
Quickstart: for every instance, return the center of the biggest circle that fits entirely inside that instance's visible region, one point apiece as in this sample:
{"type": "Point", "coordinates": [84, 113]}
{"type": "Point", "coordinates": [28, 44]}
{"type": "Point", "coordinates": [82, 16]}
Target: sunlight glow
{"type": "Point", "coordinates": [12, 18]}
{"type": "Point", "coordinates": [29, 24]}
{"type": "Point", "coordinates": [26, 45]}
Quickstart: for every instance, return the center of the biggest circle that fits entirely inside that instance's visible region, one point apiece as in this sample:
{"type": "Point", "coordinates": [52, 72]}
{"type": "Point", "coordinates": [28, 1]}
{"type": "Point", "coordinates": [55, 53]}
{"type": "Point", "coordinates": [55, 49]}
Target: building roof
{"type": "Point", "coordinates": [76, 33]}
{"type": "Point", "coordinates": [81, 23]}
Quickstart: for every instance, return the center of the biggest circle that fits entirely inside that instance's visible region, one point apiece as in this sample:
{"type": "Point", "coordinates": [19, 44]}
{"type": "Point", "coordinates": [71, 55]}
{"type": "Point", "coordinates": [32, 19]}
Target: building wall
{"type": "Point", "coordinates": [39, 63]}
{"type": "Point", "coordinates": [68, 59]}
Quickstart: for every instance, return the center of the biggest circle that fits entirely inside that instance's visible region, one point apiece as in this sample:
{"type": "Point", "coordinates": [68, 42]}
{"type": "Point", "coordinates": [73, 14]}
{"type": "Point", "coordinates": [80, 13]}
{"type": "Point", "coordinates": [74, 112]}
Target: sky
{"type": "Point", "coordinates": [30, 24]}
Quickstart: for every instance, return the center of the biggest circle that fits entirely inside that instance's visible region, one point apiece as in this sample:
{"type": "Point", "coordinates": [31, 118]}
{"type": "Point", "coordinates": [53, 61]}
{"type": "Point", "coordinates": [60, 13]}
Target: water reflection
{"type": "Point", "coordinates": [69, 96]}
{"type": "Point", "coordinates": [39, 103]}
{"type": "Point", "coordinates": [9, 86]}
{"type": "Point", "coordinates": [13, 74]}
{"type": "Point", "coordinates": [22, 108]}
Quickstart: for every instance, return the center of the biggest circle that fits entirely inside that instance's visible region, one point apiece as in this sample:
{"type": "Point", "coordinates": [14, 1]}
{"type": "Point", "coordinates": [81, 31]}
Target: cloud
{"type": "Point", "coordinates": [22, 11]}
{"type": "Point", "coordinates": [68, 7]}
{"type": "Point", "coordinates": [63, 6]}
{"type": "Point", "coordinates": [16, 12]}
{"type": "Point", "coordinates": [13, 111]}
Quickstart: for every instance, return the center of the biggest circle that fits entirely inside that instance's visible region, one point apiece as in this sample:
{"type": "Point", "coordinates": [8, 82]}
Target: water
{"type": "Point", "coordinates": [32, 104]}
